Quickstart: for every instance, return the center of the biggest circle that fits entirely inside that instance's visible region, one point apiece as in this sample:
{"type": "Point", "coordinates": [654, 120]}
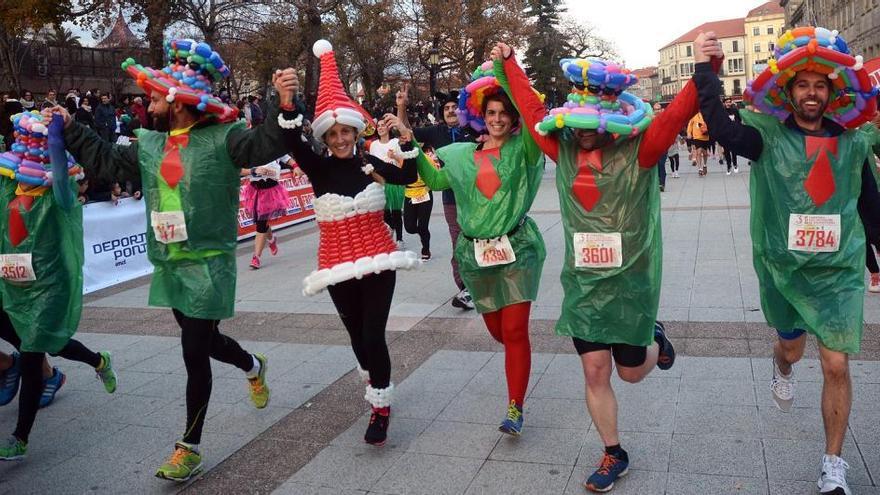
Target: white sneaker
{"type": "Point", "coordinates": [728, 172]}
{"type": "Point", "coordinates": [735, 169]}
{"type": "Point", "coordinates": [782, 387]}
{"type": "Point", "coordinates": [463, 300]}
{"type": "Point", "coordinates": [833, 477]}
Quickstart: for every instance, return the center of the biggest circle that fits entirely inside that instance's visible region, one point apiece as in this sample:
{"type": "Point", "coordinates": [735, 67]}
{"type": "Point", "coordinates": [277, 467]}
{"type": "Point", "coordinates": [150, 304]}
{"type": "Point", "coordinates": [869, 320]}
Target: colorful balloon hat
{"type": "Point", "coordinates": [192, 70]}
{"type": "Point", "coordinates": [333, 105]}
{"type": "Point", "coordinates": [815, 49]}
{"type": "Point", "coordinates": [470, 98]}
{"type": "Point", "coordinates": [28, 159]}
{"type": "Point", "coordinates": [598, 100]}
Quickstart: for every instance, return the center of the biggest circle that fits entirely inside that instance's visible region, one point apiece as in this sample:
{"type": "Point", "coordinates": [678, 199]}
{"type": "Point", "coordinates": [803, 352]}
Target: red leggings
{"type": "Point", "coordinates": [510, 326]}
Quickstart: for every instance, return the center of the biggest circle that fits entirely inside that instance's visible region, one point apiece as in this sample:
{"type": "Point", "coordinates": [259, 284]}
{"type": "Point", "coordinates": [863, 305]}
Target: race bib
{"type": "Point", "coordinates": [594, 250]}
{"type": "Point", "coordinates": [168, 226]}
{"type": "Point", "coordinates": [424, 198]}
{"type": "Point", "coordinates": [814, 233]}
{"type": "Point", "coordinates": [17, 268]}
{"type": "Point", "coordinates": [493, 252]}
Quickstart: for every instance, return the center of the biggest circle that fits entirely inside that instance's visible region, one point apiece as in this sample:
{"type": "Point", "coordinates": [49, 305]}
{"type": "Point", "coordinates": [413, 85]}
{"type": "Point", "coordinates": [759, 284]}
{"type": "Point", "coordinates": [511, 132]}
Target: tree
{"type": "Point", "coordinates": [545, 44]}
{"type": "Point", "coordinates": [582, 41]}
{"type": "Point", "coordinates": [63, 37]}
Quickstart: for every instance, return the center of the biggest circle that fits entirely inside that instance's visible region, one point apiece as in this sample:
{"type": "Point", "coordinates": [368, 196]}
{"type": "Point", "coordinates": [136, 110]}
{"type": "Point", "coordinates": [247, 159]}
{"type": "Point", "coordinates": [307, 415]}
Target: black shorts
{"type": "Point", "coordinates": [705, 145]}
{"type": "Point", "coordinates": [625, 355]}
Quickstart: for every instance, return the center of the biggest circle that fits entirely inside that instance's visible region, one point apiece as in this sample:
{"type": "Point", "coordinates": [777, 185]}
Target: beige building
{"type": "Point", "coordinates": [648, 87]}
{"type": "Point", "coordinates": [858, 21]}
{"type": "Point", "coordinates": [763, 26]}
{"type": "Point", "coordinates": [677, 58]}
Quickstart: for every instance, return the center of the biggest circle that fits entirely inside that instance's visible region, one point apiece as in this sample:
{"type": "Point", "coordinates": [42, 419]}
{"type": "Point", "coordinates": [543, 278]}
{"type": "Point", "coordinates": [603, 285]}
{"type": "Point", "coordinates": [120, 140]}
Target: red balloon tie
{"type": "Point", "coordinates": [820, 181]}
{"type": "Point", "coordinates": [18, 231]}
{"type": "Point", "coordinates": [584, 186]}
{"type": "Point", "coordinates": [171, 168]}
{"type": "Point", "coordinates": [487, 182]}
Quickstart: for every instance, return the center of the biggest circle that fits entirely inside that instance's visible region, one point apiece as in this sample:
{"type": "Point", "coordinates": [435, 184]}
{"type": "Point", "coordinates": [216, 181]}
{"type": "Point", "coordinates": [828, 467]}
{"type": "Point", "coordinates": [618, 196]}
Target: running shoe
{"type": "Point", "coordinates": [258, 389]}
{"type": "Point", "coordinates": [874, 285]}
{"type": "Point", "coordinates": [377, 430]}
{"type": "Point", "coordinates": [9, 381]}
{"type": "Point", "coordinates": [611, 468]}
{"type": "Point", "coordinates": [832, 481]}
{"type": "Point", "coordinates": [666, 356]}
{"type": "Point", "coordinates": [255, 262]}
{"type": "Point", "coordinates": [513, 423]}
{"type": "Point", "coordinates": [728, 172]}
{"type": "Point", "coordinates": [12, 449]}
{"type": "Point", "coordinates": [105, 372]}
{"type": "Point", "coordinates": [782, 387]}
{"type": "Point", "coordinates": [735, 169]}
{"type": "Point", "coordinates": [463, 300]}
{"type": "Point", "coordinates": [183, 464]}
{"type": "Point", "coordinates": [51, 386]}
{"type": "Point", "coordinates": [273, 245]}
{"type": "Point", "coordinates": [426, 255]}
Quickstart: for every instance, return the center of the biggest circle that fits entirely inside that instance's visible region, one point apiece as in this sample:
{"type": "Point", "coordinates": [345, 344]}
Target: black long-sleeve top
{"type": "Point", "coordinates": [746, 141]}
{"type": "Point", "coordinates": [344, 176]}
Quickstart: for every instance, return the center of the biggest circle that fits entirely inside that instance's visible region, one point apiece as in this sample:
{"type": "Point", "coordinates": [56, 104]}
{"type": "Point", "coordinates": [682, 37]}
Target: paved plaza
{"type": "Point", "coordinates": [707, 426]}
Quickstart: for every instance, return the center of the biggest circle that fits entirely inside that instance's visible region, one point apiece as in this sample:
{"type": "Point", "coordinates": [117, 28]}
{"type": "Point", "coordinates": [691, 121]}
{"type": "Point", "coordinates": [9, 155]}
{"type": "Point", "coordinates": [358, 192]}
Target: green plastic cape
{"type": "Point", "coordinates": [520, 168]}
{"type": "Point", "coordinates": [46, 312]}
{"type": "Point", "coordinates": [821, 293]}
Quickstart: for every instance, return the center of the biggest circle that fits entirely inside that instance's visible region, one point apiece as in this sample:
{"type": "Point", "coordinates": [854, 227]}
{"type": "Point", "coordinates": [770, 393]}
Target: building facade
{"type": "Point", "coordinates": [763, 26]}
{"type": "Point", "coordinates": [677, 58]}
{"type": "Point", "coordinates": [647, 88]}
{"type": "Point", "coordinates": [858, 21]}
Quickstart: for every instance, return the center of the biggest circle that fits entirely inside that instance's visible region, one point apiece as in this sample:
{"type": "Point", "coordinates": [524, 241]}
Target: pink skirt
{"type": "Point", "coordinates": [266, 204]}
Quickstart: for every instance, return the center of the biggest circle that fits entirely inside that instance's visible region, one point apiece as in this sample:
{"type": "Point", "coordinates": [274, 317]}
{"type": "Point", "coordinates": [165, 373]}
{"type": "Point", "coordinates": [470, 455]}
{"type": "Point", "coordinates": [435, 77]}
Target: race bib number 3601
{"type": "Point", "coordinates": [17, 268]}
{"type": "Point", "coordinates": [493, 252]}
{"type": "Point", "coordinates": [168, 226]}
{"type": "Point", "coordinates": [594, 250]}
{"type": "Point", "coordinates": [814, 233]}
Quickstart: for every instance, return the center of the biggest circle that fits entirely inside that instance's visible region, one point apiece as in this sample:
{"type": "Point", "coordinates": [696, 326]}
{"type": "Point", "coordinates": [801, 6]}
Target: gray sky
{"type": "Point", "coordinates": [639, 28]}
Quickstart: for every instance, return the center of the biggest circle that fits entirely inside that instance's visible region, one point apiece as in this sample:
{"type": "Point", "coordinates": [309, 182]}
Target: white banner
{"type": "Point", "coordinates": [115, 242]}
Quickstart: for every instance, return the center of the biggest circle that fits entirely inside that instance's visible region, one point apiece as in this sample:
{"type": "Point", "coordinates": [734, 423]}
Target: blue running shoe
{"type": "Point", "coordinates": [666, 357]}
{"type": "Point", "coordinates": [603, 479]}
{"type": "Point", "coordinates": [513, 423]}
{"type": "Point", "coordinates": [9, 381]}
{"type": "Point", "coordinates": [51, 386]}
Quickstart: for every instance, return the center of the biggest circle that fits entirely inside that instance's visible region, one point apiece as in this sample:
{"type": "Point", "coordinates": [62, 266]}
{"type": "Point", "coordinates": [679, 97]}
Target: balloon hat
{"type": "Point", "coordinates": [598, 100]}
{"type": "Point", "coordinates": [334, 105]}
{"type": "Point", "coordinates": [192, 70]}
{"type": "Point", "coordinates": [815, 49]}
{"type": "Point", "coordinates": [470, 98]}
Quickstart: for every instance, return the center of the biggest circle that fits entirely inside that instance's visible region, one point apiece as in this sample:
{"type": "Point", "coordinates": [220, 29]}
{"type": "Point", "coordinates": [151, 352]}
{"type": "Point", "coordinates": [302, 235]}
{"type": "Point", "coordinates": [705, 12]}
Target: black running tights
{"type": "Point", "coordinates": [416, 218]}
{"type": "Point", "coordinates": [31, 368]}
{"type": "Point", "coordinates": [201, 340]}
{"type": "Point", "coordinates": [363, 306]}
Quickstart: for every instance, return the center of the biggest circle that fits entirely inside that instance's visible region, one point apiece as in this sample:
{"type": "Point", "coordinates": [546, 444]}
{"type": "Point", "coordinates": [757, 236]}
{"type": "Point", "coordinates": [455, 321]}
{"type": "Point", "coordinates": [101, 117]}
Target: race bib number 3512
{"type": "Point", "coordinates": [17, 268]}
{"type": "Point", "coordinates": [594, 250]}
{"type": "Point", "coordinates": [814, 233]}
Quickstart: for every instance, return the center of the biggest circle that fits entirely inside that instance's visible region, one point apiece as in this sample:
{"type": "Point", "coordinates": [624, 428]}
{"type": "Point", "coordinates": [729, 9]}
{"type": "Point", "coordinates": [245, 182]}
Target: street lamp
{"type": "Point", "coordinates": [433, 62]}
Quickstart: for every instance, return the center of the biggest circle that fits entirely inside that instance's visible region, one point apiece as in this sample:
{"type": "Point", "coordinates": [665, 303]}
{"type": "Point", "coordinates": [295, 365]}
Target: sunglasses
{"type": "Point", "coordinates": [592, 88]}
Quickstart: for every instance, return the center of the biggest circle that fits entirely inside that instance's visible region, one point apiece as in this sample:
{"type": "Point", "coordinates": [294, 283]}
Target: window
{"type": "Point", "coordinates": [737, 88]}
{"type": "Point", "coordinates": [756, 31]}
{"type": "Point", "coordinates": [771, 46]}
{"type": "Point", "coordinates": [735, 46]}
{"type": "Point", "coordinates": [757, 48]}
{"type": "Point", "coordinates": [769, 29]}
{"type": "Point", "coordinates": [734, 65]}
{"type": "Point", "coordinates": [689, 51]}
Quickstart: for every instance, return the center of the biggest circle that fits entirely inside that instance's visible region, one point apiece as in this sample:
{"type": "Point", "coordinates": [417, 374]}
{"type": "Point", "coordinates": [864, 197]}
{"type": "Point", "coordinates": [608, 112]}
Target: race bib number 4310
{"type": "Point", "coordinates": [814, 233]}
{"type": "Point", "coordinates": [594, 250]}
{"type": "Point", "coordinates": [17, 268]}
{"type": "Point", "coordinates": [168, 226]}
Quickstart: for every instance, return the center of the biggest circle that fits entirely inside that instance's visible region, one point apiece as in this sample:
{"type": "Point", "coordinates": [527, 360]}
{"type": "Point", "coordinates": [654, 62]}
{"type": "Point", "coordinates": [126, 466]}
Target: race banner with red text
{"type": "Point", "coordinates": [300, 209]}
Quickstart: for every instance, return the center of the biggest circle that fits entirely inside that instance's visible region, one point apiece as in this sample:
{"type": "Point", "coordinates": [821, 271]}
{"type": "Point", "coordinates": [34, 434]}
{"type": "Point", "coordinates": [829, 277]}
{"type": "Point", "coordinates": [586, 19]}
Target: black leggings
{"type": "Point", "coordinates": [201, 340]}
{"type": "Point", "coordinates": [673, 162]}
{"type": "Point", "coordinates": [31, 369]}
{"type": "Point", "coordinates": [363, 306]}
{"type": "Point", "coordinates": [394, 220]}
{"type": "Point", "coordinates": [415, 220]}
{"type": "Point", "coordinates": [729, 158]}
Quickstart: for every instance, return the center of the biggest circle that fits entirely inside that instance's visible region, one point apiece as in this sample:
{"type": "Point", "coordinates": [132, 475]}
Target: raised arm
{"type": "Point", "coordinates": [516, 84]}
{"type": "Point", "coordinates": [734, 136]}
{"type": "Point", "coordinates": [392, 173]}
{"type": "Point", "coordinates": [436, 179]}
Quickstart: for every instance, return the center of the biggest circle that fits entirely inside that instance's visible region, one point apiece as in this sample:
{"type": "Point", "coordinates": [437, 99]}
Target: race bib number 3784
{"type": "Point", "coordinates": [17, 268]}
{"type": "Point", "coordinates": [814, 233]}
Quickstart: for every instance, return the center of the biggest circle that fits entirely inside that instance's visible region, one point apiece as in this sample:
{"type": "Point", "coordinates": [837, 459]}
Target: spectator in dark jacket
{"type": "Point", "coordinates": [84, 113]}
{"type": "Point", "coordinates": [11, 107]}
{"type": "Point", "coordinates": [105, 119]}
